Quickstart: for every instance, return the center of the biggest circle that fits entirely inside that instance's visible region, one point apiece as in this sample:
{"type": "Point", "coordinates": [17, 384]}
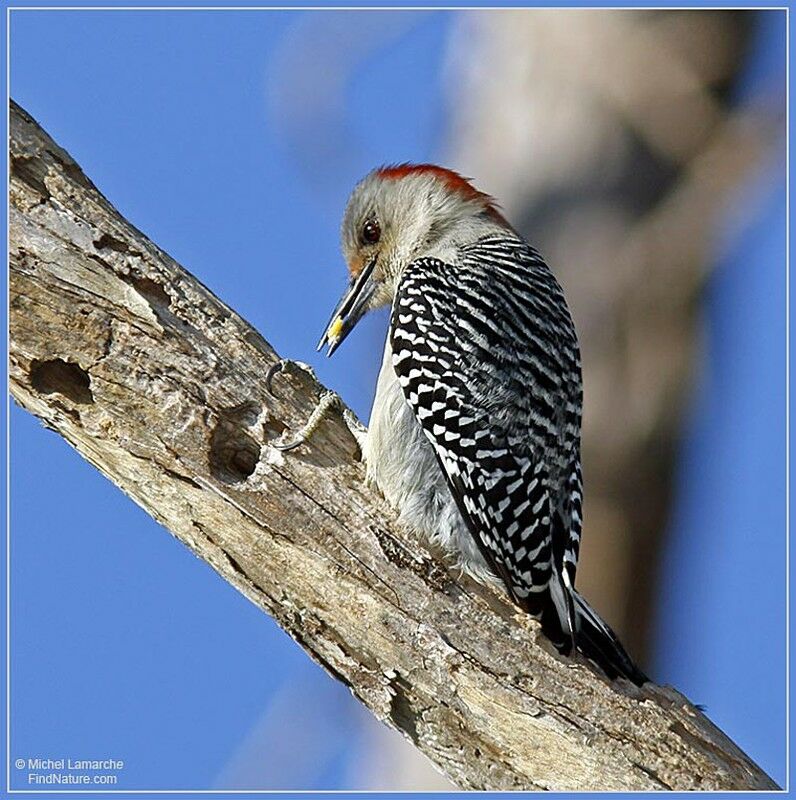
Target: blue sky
{"type": "Point", "coordinates": [723, 587]}
{"type": "Point", "coordinates": [194, 125]}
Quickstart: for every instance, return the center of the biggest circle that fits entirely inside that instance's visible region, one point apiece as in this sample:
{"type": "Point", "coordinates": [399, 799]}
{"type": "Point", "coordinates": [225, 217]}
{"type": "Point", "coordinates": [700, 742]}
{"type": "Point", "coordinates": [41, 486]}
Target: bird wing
{"type": "Point", "coordinates": [487, 358]}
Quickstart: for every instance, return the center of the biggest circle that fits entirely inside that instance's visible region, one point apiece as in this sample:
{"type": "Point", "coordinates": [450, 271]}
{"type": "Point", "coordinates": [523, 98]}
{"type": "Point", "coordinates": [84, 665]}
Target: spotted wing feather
{"type": "Point", "coordinates": [487, 358]}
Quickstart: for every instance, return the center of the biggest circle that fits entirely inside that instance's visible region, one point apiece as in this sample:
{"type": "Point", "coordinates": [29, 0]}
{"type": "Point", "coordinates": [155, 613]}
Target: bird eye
{"type": "Point", "coordinates": [371, 232]}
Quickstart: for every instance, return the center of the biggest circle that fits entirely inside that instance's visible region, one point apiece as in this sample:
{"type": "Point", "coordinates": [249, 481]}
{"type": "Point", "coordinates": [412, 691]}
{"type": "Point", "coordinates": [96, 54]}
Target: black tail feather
{"type": "Point", "coordinates": [595, 640]}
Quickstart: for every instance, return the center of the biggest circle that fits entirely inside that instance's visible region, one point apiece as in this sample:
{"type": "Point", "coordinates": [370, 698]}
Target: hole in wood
{"type": "Point", "coordinates": [233, 452]}
{"type": "Point", "coordinates": [109, 242]}
{"type": "Point", "coordinates": [61, 377]}
{"type": "Point", "coordinates": [33, 172]}
{"type": "Point", "coordinates": [151, 291]}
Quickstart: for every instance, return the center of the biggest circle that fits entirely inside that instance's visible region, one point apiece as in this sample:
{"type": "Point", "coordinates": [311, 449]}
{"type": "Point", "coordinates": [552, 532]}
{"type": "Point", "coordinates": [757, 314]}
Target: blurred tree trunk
{"type": "Point", "coordinates": [610, 141]}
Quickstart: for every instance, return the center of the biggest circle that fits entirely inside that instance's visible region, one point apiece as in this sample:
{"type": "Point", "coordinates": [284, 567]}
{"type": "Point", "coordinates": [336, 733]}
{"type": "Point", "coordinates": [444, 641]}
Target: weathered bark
{"type": "Point", "coordinates": [160, 386]}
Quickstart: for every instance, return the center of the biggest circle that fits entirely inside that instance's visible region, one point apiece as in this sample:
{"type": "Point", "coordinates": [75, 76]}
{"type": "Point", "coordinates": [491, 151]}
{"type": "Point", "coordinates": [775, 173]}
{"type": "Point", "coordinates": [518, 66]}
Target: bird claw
{"type": "Point", "coordinates": [328, 399]}
{"type": "Point", "coordinates": [269, 376]}
{"type": "Point", "coordinates": [357, 430]}
{"type": "Point", "coordinates": [325, 402]}
{"type": "Point", "coordinates": [279, 367]}
{"type": "Point", "coordinates": [283, 448]}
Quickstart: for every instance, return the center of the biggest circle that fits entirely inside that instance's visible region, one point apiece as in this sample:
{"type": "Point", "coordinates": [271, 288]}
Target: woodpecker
{"type": "Point", "coordinates": [474, 435]}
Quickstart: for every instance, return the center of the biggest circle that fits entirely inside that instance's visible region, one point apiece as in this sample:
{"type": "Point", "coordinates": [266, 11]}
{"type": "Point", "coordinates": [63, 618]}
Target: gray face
{"type": "Point", "coordinates": [412, 214]}
{"type": "Point", "coordinates": [371, 227]}
{"type": "Point", "coordinates": [388, 223]}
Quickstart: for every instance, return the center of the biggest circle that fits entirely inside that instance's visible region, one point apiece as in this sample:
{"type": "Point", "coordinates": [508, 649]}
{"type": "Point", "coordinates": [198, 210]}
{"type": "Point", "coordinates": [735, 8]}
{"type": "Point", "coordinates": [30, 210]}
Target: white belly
{"type": "Point", "coordinates": [401, 462]}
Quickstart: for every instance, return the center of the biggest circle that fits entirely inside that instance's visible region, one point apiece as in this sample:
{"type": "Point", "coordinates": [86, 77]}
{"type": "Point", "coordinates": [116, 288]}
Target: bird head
{"type": "Point", "coordinates": [395, 215]}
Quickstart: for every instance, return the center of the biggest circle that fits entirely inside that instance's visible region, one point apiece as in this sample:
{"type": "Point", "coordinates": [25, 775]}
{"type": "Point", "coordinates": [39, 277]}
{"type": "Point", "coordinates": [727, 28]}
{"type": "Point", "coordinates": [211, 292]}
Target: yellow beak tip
{"type": "Point", "coordinates": [335, 329]}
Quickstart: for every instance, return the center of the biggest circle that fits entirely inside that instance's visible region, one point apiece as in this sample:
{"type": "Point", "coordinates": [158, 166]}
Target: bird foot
{"type": "Point", "coordinates": [326, 401]}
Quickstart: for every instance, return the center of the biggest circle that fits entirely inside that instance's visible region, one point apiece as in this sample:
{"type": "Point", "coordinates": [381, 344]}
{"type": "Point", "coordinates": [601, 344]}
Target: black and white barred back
{"type": "Point", "coordinates": [487, 357]}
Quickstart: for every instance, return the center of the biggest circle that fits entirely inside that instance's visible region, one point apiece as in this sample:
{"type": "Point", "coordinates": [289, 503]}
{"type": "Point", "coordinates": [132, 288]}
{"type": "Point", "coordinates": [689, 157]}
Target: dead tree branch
{"type": "Point", "coordinates": [160, 385]}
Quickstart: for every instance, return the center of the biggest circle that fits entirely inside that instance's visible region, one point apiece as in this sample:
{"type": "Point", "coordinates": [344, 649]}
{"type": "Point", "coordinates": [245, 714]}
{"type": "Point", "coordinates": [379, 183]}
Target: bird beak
{"type": "Point", "coordinates": [350, 309]}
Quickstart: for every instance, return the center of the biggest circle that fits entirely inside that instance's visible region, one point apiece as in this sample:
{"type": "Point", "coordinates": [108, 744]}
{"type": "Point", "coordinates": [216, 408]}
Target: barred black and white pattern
{"type": "Point", "coordinates": [487, 356]}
